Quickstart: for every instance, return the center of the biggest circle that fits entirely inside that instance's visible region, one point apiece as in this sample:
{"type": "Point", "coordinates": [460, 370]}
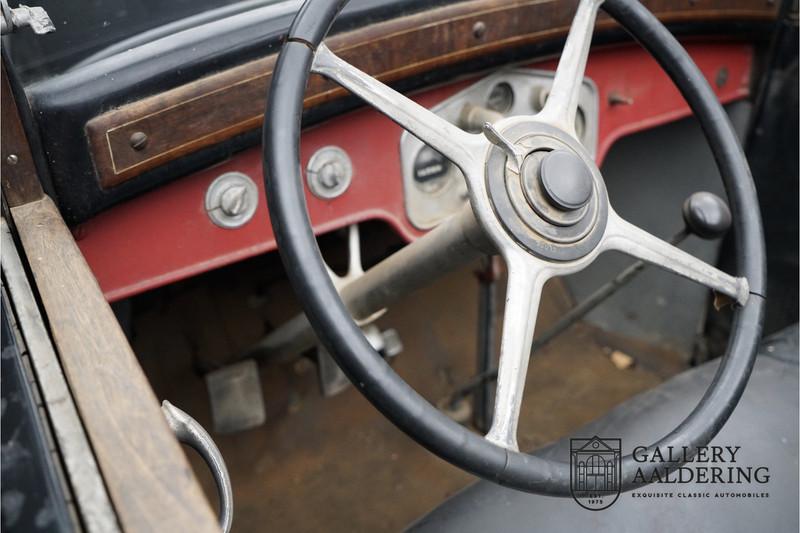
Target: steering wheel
{"type": "Point", "coordinates": [538, 196]}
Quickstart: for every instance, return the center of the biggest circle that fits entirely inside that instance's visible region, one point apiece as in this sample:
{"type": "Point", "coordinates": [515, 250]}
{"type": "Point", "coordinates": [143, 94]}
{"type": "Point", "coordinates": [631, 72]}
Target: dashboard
{"type": "Point", "coordinates": [171, 233]}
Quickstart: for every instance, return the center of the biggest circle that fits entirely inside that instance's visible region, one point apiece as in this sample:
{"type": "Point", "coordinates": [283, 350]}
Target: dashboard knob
{"type": "Point", "coordinates": [329, 172]}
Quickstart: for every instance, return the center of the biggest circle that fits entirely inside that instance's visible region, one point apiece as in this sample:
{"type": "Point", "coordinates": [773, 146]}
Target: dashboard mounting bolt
{"type": "Point", "coordinates": [479, 29]}
{"type": "Point", "coordinates": [138, 140]}
{"type": "Point", "coordinates": [231, 200]}
{"type": "Point", "coordinates": [12, 159]}
{"type": "Point", "coordinates": [329, 172]}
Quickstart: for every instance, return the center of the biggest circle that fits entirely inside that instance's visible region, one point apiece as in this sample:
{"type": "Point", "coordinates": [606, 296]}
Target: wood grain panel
{"type": "Point", "coordinates": [215, 108]}
{"type": "Point", "coordinates": [17, 170]}
{"type": "Point", "coordinates": [151, 484]}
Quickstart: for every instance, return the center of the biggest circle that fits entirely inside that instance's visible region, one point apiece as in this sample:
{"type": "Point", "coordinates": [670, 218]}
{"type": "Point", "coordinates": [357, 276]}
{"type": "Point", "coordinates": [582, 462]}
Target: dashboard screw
{"type": "Point", "coordinates": [138, 140]}
{"type": "Point", "coordinates": [479, 29]}
{"type": "Point", "coordinates": [12, 159]}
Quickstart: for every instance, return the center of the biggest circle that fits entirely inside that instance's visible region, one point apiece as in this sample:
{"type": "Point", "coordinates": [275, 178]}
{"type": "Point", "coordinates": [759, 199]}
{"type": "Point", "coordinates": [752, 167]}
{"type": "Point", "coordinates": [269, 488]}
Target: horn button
{"type": "Point", "coordinates": [557, 185]}
{"type": "Point", "coordinates": [565, 179]}
{"type": "Point", "coordinates": [555, 206]}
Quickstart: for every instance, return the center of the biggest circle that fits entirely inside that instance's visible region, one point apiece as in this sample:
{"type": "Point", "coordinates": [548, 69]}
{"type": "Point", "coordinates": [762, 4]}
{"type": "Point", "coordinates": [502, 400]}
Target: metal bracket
{"type": "Point", "coordinates": [34, 17]}
{"type": "Point", "coordinates": [332, 379]}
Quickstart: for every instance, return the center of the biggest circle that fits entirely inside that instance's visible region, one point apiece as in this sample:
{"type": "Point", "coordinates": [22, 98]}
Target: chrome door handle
{"type": "Point", "coordinates": [188, 431]}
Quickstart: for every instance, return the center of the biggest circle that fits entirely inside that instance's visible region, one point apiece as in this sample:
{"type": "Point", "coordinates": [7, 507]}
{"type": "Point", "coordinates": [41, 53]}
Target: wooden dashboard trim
{"type": "Point", "coordinates": [215, 108]}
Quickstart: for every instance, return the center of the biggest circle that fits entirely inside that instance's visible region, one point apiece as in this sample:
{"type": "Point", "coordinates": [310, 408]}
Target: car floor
{"type": "Point", "coordinates": [336, 464]}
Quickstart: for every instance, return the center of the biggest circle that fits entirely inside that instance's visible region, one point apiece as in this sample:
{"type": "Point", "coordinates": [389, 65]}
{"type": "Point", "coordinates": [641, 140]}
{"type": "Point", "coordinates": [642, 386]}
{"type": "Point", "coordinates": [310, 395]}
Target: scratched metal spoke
{"type": "Point", "coordinates": [464, 149]}
{"type": "Point", "coordinates": [561, 106]}
{"type": "Point", "coordinates": [625, 237]}
{"type": "Point", "coordinates": [523, 292]}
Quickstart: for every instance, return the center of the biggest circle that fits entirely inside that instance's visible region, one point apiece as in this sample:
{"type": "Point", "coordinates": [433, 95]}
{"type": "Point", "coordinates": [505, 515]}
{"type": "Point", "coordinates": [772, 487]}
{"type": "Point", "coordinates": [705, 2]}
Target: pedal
{"type": "Point", "coordinates": [235, 395]}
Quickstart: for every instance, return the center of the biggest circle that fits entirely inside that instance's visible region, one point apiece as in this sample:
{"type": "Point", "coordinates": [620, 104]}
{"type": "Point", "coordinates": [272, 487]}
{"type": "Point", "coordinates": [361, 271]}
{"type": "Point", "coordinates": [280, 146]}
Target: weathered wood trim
{"type": "Point", "coordinates": [215, 108]}
{"type": "Point", "coordinates": [17, 170]}
{"type": "Point", "coordinates": [148, 477]}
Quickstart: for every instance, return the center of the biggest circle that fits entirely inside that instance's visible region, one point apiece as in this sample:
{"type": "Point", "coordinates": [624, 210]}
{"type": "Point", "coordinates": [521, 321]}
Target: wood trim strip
{"type": "Point", "coordinates": [148, 477]}
{"type": "Point", "coordinates": [215, 108]}
{"type": "Point", "coordinates": [17, 169]}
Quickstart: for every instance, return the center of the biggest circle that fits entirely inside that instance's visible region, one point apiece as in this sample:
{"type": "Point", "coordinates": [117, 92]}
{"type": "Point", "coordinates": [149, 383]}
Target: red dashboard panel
{"type": "Point", "coordinates": [165, 235]}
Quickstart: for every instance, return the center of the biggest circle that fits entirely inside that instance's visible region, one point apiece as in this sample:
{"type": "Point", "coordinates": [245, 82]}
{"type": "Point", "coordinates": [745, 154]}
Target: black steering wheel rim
{"type": "Point", "coordinates": [380, 384]}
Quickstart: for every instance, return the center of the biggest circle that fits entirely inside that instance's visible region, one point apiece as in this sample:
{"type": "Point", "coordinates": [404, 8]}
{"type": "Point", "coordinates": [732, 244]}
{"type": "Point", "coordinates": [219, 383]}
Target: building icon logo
{"type": "Point", "coordinates": [595, 471]}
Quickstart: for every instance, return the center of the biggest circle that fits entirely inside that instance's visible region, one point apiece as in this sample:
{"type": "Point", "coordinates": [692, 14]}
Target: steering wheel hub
{"type": "Point", "coordinates": [555, 204]}
{"type": "Point", "coordinates": [535, 187]}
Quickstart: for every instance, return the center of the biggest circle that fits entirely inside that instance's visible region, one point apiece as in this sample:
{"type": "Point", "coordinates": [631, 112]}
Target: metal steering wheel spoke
{"type": "Point", "coordinates": [464, 149]}
{"type": "Point", "coordinates": [526, 278]}
{"type": "Point", "coordinates": [625, 237]}
{"type": "Point", "coordinates": [561, 106]}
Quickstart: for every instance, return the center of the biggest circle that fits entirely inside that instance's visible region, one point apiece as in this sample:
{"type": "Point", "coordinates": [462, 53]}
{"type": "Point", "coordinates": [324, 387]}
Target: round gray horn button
{"type": "Point", "coordinates": [566, 180]}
